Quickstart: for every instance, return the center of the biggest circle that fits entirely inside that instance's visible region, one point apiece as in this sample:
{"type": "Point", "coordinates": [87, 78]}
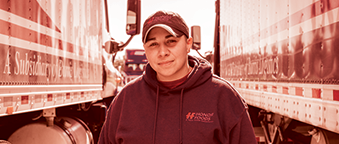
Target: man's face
{"type": "Point", "coordinates": [167, 54]}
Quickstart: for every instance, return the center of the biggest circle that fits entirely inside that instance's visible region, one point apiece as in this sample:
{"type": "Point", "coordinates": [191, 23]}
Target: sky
{"type": "Point", "coordinates": [194, 12]}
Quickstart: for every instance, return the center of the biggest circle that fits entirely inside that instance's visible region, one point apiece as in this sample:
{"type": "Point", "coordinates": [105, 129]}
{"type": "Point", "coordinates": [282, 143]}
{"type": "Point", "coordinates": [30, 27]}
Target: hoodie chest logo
{"type": "Point", "coordinates": [199, 117]}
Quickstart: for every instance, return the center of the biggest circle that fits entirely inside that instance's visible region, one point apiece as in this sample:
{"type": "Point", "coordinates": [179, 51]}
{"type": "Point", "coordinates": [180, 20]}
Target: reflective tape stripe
{"type": "Point", "coordinates": [299, 91]}
{"type": "Point", "coordinates": [316, 93]}
{"type": "Point", "coordinates": [336, 95]}
{"type": "Point", "coordinates": [320, 92]}
{"type": "Point", "coordinates": [32, 102]}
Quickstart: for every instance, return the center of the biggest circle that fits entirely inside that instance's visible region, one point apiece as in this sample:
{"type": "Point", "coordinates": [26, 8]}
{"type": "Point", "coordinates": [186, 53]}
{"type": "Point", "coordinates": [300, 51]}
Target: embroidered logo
{"type": "Point", "coordinates": [159, 18]}
{"type": "Point", "coordinates": [200, 117]}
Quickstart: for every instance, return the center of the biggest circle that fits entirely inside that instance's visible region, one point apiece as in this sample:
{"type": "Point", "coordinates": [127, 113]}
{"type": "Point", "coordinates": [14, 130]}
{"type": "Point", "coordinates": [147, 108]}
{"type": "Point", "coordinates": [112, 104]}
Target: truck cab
{"type": "Point", "coordinates": [135, 64]}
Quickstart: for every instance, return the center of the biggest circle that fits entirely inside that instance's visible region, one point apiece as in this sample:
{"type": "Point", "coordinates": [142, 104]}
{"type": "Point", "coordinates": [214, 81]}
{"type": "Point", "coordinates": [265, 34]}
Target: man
{"type": "Point", "coordinates": [177, 99]}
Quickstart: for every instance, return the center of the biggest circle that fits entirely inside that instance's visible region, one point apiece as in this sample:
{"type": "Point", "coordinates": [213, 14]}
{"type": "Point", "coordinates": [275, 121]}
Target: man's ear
{"type": "Point", "coordinates": [189, 44]}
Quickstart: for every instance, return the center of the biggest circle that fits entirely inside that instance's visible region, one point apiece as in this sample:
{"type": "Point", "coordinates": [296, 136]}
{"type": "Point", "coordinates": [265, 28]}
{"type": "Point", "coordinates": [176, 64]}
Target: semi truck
{"type": "Point", "coordinates": [135, 63]}
{"type": "Point", "coordinates": [56, 72]}
{"type": "Point", "coordinates": [282, 56]}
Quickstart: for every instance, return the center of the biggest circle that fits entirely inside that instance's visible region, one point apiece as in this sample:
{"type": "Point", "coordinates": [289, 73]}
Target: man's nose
{"type": "Point", "coordinates": [163, 50]}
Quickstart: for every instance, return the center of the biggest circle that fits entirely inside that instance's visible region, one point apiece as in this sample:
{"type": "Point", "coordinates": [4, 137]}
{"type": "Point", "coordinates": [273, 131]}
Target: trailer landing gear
{"type": "Point", "coordinates": [320, 136]}
{"type": "Point", "coordinates": [279, 129]}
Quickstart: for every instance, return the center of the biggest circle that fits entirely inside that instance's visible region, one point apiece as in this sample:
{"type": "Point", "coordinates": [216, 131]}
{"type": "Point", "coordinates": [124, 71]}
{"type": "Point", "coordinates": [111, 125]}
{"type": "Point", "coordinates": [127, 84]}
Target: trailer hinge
{"type": "Point", "coordinates": [49, 114]}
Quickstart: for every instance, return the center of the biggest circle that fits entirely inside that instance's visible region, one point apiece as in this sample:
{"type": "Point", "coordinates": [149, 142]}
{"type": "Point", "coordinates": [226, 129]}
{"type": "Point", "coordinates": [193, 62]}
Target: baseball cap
{"type": "Point", "coordinates": [170, 21]}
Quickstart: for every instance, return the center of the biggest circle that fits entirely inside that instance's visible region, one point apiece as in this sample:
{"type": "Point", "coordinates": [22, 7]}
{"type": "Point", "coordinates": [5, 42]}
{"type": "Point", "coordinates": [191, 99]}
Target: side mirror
{"type": "Point", "coordinates": [195, 34]}
{"type": "Point", "coordinates": [133, 17]}
{"type": "Point", "coordinates": [132, 26]}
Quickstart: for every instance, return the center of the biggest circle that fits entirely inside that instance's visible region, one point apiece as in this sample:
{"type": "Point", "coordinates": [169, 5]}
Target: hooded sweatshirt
{"type": "Point", "coordinates": [205, 109]}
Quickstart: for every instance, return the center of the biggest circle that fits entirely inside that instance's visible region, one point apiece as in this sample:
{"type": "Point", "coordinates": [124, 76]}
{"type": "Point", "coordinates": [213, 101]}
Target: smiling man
{"type": "Point", "coordinates": [177, 99]}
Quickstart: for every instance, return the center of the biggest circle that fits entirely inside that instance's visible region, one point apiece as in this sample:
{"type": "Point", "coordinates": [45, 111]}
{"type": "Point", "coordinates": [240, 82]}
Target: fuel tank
{"type": "Point", "coordinates": [64, 131]}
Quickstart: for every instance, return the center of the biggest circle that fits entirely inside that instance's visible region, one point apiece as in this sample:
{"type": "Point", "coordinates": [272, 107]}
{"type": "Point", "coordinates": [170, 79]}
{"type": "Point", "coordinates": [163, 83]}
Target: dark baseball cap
{"type": "Point", "coordinates": [170, 21]}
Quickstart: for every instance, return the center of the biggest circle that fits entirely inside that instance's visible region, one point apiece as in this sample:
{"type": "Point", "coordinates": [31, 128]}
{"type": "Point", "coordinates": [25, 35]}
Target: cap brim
{"type": "Point", "coordinates": [166, 27]}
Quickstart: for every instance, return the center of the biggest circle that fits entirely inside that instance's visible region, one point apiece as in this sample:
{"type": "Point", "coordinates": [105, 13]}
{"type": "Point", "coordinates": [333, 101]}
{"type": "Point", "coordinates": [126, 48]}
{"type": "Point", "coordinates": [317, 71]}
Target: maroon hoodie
{"type": "Point", "coordinates": [205, 109]}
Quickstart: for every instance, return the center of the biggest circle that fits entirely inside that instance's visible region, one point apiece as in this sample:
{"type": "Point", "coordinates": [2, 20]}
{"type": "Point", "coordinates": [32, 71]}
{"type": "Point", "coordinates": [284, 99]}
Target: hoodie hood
{"type": "Point", "coordinates": [200, 73]}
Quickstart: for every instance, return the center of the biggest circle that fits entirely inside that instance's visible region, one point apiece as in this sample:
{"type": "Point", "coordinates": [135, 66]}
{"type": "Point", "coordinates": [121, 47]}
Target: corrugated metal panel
{"type": "Point", "coordinates": [280, 40]}
{"type": "Point", "coordinates": [286, 53]}
{"type": "Point", "coordinates": [50, 54]}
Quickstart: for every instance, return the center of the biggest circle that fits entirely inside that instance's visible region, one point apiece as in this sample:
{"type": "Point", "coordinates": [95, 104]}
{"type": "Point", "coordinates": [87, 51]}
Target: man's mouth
{"type": "Point", "coordinates": [165, 63]}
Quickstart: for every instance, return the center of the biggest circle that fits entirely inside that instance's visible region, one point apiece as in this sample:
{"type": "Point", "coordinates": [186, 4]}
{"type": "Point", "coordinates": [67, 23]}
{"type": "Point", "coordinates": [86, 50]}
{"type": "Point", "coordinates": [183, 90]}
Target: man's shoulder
{"type": "Point", "coordinates": [131, 87]}
{"type": "Point", "coordinates": [221, 81]}
{"type": "Point", "coordinates": [135, 82]}
{"type": "Point", "coordinates": [227, 89]}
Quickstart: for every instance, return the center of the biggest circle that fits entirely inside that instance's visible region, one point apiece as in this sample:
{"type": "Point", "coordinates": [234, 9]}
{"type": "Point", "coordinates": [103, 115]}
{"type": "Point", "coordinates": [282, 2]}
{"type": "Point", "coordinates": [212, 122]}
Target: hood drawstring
{"type": "Point", "coordinates": [156, 114]}
{"type": "Point", "coordinates": [180, 116]}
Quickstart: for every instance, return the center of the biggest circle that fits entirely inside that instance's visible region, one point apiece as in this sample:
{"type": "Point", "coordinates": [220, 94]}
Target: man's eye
{"type": "Point", "coordinates": [171, 41]}
{"type": "Point", "coordinates": [152, 44]}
